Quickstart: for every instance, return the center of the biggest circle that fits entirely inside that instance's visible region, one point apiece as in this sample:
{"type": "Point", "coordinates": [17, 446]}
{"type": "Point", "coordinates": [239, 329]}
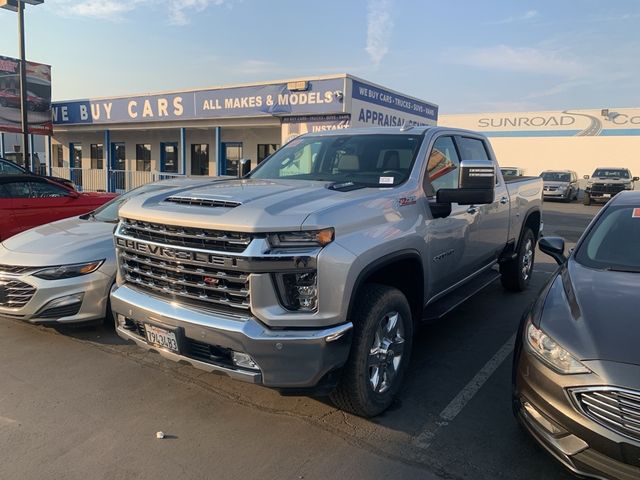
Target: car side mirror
{"type": "Point", "coordinates": [586, 177]}
{"type": "Point", "coordinates": [477, 181]}
{"type": "Point", "coordinates": [72, 194]}
{"type": "Point", "coordinates": [554, 247]}
{"type": "Point", "coordinates": [635, 179]}
{"type": "Point", "coordinates": [244, 167]}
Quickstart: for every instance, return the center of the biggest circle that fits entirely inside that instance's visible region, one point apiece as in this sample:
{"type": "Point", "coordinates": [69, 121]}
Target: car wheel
{"type": "Point", "coordinates": [515, 274]}
{"type": "Point", "coordinates": [575, 197]}
{"type": "Point", "coordinates": [382, 339]}
{"type": "Point", "coordinates": [586, 199]}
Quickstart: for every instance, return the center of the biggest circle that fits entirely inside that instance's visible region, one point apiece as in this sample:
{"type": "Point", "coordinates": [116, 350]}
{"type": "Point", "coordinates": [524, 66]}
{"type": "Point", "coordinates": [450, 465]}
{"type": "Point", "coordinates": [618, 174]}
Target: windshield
{"type": "Point", "coordinates": [509, 172]}
{"type": "Point", "coordinates": [109, 211]}
{"type": "Point", "coordinates": [611, 173]}
{"type": "Point", "coordinates": [556, 177]}
{"type": "Point", "coordinates": [612, 244]}
{"type": "Point", "coordinates": [7, 167]}
{"type": "Point", "coordinates": [368, 160]}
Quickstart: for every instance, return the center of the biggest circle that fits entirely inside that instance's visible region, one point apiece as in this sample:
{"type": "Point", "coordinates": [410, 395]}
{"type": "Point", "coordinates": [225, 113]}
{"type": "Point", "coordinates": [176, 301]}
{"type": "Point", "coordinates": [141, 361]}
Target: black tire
{"type": "Point", "coordinates": [372, 314]}
{"type": "Point", "coordinates": [575, 197]}
{"type": "Point", "coordinates": [586, 199]}
{"type": "Point", "coordinates": [515, 274]}
{"type": "Point", "coordinates": [567, 199]}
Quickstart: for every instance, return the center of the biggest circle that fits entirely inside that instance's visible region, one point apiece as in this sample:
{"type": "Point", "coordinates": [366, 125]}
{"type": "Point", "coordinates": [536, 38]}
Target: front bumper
{"type": "Point", "coordinates": [94, 287]}
{"type": "Point", "coordinates": [555, 193]}
{"type": "Point", "coordinates": [581, 445]}
{"type": "Point", "coordinates": [285, 358]}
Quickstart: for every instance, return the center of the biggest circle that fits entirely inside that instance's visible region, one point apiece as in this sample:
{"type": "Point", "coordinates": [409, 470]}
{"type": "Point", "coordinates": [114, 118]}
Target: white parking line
{"type": "Point", "coordinates": [455, 406]}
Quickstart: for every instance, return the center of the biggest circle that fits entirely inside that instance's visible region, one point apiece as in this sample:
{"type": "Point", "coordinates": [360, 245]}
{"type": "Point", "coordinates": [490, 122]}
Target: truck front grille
{"type": "Point", "coordinates": [188, 237]}
{"type": "Point", "coordinates": [204, 285]}
{"type": "Point", "coordinates": [611, 188]}
{"type": "Point", "coordinates": [15, 294]}
{"type": "Point", "coordinates": [618, 410]}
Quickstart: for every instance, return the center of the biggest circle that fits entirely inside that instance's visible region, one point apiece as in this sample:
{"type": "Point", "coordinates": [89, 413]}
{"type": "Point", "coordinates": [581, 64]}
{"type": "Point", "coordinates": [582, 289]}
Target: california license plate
{"type": "Point", "coordinates": [606, 195]}
{"type": "Point", "coordinates": [161, 338]}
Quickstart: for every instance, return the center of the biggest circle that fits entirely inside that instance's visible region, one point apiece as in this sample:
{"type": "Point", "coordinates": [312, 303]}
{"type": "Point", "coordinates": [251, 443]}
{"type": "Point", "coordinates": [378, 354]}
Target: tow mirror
{"type": "Point", "coordinates": [554, 247]}
{"type": "Point", "coordinates": [586, 177]}
{"type": "Point", "coordinates": [244, 167]}
{"type": "Point", "coordinates": [635, 179]}
{"type": "Point", "coordinates": [477, 180]}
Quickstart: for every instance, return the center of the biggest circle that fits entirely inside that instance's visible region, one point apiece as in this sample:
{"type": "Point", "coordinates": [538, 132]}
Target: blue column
{"type": "Point", "coordinates": [220, 168]}
{"type": "Point", "coordinates": [47, 146]}
{"type": "Point", "coordinates": [183, 151]}
{"type": "Point", "coordinates": [1, 144]}
{"type": "Point", "coordinates": [106, 148]}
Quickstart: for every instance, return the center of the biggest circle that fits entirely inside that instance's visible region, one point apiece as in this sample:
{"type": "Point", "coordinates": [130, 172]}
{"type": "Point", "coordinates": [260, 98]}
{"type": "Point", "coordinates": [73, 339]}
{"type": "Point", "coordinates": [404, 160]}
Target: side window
{"type": "Point", "coordinates": [472, 149]}
{"type": "Point", "coordinates": [46, 190]}
{"type": "Point", "coordinates": [4, 192]}
{"type": "Point", "coordinates": [17, 190]}
{"type": "Point", "coordinates": [443, 163]}
{"type": "Point", "coordinates": [301, 162]}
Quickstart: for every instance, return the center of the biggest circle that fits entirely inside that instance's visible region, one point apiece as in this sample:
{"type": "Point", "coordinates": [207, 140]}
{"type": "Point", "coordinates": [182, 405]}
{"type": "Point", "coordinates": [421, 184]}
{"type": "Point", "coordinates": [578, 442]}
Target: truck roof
{"type": "Point", "coordinates": [413, 129]}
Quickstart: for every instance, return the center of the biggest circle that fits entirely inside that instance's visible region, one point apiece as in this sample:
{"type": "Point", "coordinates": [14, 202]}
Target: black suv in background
{"type": "Point", "coordinates": [606, 183]}
{"type": "Point", "coordinates": [7, 167]}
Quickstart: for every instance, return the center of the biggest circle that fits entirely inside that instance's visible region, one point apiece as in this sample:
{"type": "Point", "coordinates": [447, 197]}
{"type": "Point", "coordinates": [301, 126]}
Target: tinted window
{"type": "Point", "coordinates": [9, 167]}
{"type": "Point", "coordinates": [17, 190]}
{"type": "Point", "coordinates": [556, 176]}
{"type": "Point", "coordinates": [611, 173]}
{"type": "Point", "coordinates": [369, 160]}
{"type": "Point", "coordinates": [613, 242]}
{"type": "Point", "coordinates": [46, 190]}
{"type": "Point", "coordinates": [443, 164]}
{"type": "Point", "coordinates": [472, 149]}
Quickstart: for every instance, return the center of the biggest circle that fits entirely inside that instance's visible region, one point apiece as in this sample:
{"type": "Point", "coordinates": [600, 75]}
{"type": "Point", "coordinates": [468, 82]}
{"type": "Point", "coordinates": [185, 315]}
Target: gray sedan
{"type": "Point", "coordinates": [62, 272]}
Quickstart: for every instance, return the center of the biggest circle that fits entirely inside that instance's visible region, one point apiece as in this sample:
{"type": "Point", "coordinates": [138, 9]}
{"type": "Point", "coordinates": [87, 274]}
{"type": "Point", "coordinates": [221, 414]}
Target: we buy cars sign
{"type": "Point", "coordinates": [38, 97]}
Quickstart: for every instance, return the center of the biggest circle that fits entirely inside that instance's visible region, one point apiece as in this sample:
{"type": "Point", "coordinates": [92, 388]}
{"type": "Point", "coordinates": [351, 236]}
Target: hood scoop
{"type": "Point", "coordinates": [203, 202]}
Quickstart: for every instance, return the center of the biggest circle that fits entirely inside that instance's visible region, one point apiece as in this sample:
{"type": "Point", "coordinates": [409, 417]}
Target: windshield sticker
{"type": "Point", "coordinates": [636, 213]}
{"type": "Point", "coordinates": [386, 181]}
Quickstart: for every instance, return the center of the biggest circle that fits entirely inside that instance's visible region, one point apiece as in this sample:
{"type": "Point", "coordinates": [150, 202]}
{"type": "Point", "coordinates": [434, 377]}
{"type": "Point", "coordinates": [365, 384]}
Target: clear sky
{"type": "Point", "coordinates": [466, 56]}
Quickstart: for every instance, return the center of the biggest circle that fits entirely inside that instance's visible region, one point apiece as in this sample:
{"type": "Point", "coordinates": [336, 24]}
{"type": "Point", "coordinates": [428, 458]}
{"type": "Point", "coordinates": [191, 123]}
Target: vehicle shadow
{"type": "Point", "coordinates": [100, 334]}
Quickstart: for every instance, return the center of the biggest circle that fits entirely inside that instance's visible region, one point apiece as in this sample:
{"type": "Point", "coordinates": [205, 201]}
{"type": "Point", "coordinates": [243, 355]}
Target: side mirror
{"type": "Point", "coordinates": [586, 177]}
{"type": "Point", "coordinates": [554, 247]}
{"type": "Point", "coordinates": [73, 194]}
{"type": "Point", "coordinates": [635, 179]}
{"type": "Point", "coordinates": [477, 182]}
{"type": "Point", "coordinates": [244, 167]}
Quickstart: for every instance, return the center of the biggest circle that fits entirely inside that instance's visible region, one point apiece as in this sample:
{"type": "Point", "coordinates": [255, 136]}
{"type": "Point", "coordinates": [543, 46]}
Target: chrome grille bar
{"type": "Point", "coordinates": [614, 408]}
{"type": "Point", "coordinates": [15, 294]}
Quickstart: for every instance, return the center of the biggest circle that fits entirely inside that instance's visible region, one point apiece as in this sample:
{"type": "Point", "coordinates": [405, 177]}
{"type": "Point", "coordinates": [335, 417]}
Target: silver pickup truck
{"type": "Point", "coordinates": [310, 274]}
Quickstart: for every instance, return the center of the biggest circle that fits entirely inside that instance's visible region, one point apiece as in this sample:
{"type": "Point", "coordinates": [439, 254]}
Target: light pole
{"type": "Point", "coordinates": [18, 6]}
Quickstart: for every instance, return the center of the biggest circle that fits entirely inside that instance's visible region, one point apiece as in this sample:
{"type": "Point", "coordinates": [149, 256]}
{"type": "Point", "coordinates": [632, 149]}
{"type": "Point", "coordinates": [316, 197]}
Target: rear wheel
{"type": "Point", "coordinates": [383, 331]}
{"type": "Point", "coordinates": [516, 274]}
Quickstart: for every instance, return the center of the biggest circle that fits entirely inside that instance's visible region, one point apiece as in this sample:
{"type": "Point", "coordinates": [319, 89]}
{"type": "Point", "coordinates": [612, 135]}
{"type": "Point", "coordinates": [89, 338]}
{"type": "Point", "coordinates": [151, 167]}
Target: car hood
{"type": "Point", "coordinates": [251, 205]}
{"type": "Point", "coordinates": [71, 240]}
{"type": "Point", "coordinates": [594, 313]}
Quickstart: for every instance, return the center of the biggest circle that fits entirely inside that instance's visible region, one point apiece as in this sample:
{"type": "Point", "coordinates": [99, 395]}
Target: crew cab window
{"type": "Point", "coordinates": [472, 149]}
{"type": "Point", "coordinates": [46, 190]}
{"type": "Point", "coordinates": [443, 163]}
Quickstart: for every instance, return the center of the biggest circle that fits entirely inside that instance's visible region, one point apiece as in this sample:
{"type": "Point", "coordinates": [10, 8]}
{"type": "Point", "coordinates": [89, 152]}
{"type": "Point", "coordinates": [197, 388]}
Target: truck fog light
{"type": "Point", "coordinates": [299, 291]}
{"type": "Point", "coordinates": [122, 320]}
{"type": "Point", "coordinates": [243, 360]}
{"type": "Point", "coordinates": [541, 420]}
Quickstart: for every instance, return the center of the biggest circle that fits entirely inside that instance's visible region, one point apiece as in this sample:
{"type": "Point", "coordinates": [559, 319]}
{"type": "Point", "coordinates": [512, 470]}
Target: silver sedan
{"type": "Point", "coordinates": [62, 272]}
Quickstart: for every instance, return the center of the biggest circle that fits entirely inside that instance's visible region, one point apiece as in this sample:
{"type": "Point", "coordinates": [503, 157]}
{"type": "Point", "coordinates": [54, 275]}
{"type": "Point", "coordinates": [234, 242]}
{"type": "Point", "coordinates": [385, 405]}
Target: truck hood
{"type": "Point", "coordinates": [614, 180]}
{"type": "Point", "coordinates": [247, 205]}
{"type": "Point", "coordinates": [67, 241]}
{"type": "Point", "coordinates": [593, 313]}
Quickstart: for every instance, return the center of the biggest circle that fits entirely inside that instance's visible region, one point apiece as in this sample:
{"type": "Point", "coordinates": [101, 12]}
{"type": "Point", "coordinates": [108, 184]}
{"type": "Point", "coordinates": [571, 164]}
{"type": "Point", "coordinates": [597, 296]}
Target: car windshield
{"type": "Point", "coordinates": [7, 167]}
{"type": "Point", "coordinates": [612, 244]}
{"type": "Point", "coordinates": [611, 173]}
{"type": "Point", "coordinates": [556, 177]}
{"type": "Point", "coordinates": [367, 160]}
{"type": "Point", "coordinates": [109, 211]}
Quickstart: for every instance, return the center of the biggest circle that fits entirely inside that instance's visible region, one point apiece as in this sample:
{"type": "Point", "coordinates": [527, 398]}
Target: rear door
{"type": "Point", "coordinates": [490, 228]}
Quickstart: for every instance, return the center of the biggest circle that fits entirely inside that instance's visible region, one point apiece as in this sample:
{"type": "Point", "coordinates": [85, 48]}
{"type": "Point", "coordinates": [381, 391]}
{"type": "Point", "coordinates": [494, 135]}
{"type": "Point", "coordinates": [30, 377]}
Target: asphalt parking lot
{"type": "Point", "coordinates": [80, 403]}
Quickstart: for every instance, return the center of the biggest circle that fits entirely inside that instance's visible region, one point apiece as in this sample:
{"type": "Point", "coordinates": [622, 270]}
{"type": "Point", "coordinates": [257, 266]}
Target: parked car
{"type": "Point", "coordinates": [69, 283]}
{"type": "Point", "coordinates": [7, 167]}
{"type": "Point", "coordinates": [512, 172]}
{"type": "Point", "coordinates": [10, 98]}
{"type": "Point", "coordinates": [606, 183]}
{"type": "Point", "coordinates": [577, 362]}
{"type": "Point", "coordinates": [560, 185]}
{"type": "Point", "coordinates": [309, 274]}
{"type": "Point", "coordinates": [27, 201]}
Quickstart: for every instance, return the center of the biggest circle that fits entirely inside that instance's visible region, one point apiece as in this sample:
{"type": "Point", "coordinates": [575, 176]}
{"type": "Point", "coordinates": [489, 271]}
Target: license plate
{"type": "Point", "coordinates": [161, 338]}
{"type": "Point", "coordinates": [606, 195]}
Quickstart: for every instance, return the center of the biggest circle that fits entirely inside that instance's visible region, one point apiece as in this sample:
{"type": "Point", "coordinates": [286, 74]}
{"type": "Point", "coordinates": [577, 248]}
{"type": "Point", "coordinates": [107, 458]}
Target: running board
{"type": "Point", "coordinates": [441, 307]}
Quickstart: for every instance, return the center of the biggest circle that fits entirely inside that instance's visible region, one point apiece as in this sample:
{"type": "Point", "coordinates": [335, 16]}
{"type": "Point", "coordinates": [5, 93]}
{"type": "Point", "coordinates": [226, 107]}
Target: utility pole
{"type": "Point", "coordinates": [23, 89]}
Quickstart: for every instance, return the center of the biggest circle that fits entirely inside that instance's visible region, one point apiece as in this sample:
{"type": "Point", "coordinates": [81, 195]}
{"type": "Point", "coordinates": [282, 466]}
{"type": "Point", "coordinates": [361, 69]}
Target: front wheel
{"type": "Point", "coordinates": [382, 339]}
{"type": "Point", "coordinates": [586, 199]}
{"type": "Point", "coordinates": [515, 274]}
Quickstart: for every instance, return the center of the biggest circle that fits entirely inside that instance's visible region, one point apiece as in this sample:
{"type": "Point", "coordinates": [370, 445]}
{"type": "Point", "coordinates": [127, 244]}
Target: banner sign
{"type": "Point", "coordinates": [298, 125]}
{"type": "Point", "coordinates": [320, 96]}
{"type": "Point", "coordinates": [38, 97]}
{"type": "Point", "coordinates": [405, 108]}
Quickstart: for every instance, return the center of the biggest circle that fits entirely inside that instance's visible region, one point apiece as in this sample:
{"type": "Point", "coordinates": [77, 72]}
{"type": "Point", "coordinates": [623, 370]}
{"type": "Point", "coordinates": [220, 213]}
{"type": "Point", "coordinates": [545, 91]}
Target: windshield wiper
{"type": "Point", "coordinates": [347, 186]}
{"type": "Point", "coordinates": [623, 269]}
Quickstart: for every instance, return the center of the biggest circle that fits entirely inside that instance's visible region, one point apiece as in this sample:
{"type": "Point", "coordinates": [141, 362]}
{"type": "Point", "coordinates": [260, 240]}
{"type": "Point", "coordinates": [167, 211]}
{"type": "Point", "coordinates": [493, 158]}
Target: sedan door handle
{"type": "Point", "coordinates": [472, 210]}
{"type": "Point", "coordinates": [504, 200]}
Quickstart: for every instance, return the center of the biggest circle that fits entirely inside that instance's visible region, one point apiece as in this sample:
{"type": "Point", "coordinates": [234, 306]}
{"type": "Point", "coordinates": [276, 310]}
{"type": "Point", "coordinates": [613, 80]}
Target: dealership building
{"type": "Point", "coordinates": [120, 142]}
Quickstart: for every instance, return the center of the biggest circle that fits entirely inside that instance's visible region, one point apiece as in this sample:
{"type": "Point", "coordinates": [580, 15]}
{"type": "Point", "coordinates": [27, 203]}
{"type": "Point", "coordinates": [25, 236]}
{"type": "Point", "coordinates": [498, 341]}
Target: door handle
{"type": "Point", "coordinates": [504, 200]}
{"type": "Point", "coordinates": [472, 210]}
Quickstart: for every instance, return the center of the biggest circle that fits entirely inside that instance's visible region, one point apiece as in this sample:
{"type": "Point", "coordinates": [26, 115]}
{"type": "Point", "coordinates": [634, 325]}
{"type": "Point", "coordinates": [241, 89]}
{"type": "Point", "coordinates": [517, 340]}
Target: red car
{"type": "Point", "coordinates": [10, 97]}
{"type": "Point", "coordinates": [27, 201]}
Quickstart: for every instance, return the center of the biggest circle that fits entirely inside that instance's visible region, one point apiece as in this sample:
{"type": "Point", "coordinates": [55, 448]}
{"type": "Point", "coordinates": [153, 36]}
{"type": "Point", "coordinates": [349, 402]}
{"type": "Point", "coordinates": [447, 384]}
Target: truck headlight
{"type": "Point", "coordinates": [303, 238]}
{"type": "Point", "coordinates": [628, 186]}
{"type": "Point", "coordinates": [298, 291]}
{"type": "Point", "coordinates": [548, 350]}
{"type": "Point", "coordinates": [68, 271]}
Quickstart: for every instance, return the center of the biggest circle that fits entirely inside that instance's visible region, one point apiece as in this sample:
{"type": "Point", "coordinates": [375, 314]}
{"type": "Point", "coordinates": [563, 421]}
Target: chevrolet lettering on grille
{"type": "Point", "coordinates": [171, 253]}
